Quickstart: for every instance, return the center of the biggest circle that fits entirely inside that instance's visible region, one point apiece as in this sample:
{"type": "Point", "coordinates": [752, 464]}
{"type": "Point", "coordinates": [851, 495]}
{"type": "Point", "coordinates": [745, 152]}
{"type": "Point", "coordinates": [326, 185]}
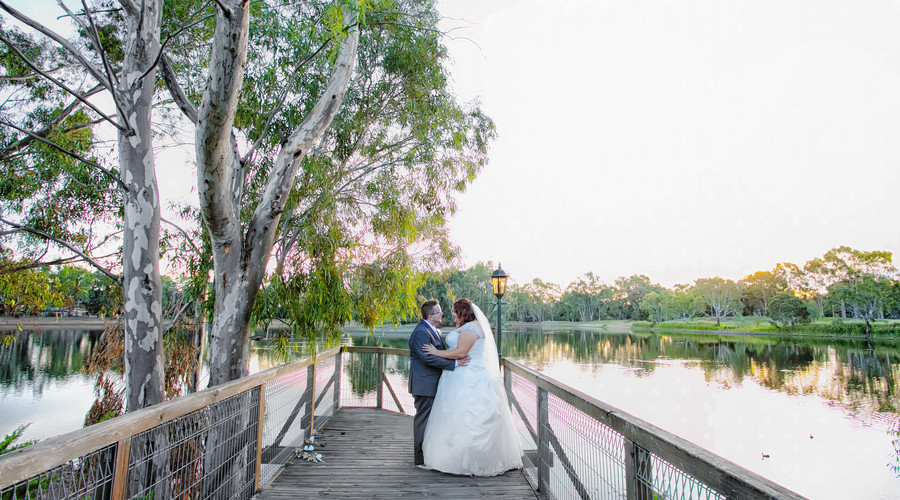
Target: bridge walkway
{"type": "Point", "coordinates": [368, 453]}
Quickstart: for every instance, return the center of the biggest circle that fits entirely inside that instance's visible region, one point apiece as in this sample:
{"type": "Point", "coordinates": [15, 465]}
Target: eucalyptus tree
{"type": "Point", "coordinates": [845, 264]}
{"type": "Point", "coordinates": [474, 284]}
{"type": "Point", "coordinates": [786, 309]}
{"type": "Point", "coordinates": [632, 290]}
{"type": "Point", "coordinates": [49, 149]}
{"type": "Point", "coordinates": [541, 298]}
{"type": "Point", "coordinates": [721, 296]}
{"type": "Point", "coordinates": [759, 288]}
{"type": "Point", "coordinates": [354, 220]}
{"type": "Point", "coordinates": [683, 303]}
{"type": "Point", "coordinates": [864, 295]}
{"type": "Point", "coordinates": [653, 304]}
{"type": "Point", "coordinates": [582, 297]}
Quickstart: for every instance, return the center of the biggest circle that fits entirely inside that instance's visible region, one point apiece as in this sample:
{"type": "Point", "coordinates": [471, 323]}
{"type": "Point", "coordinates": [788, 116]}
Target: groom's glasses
{"type": "Point", "coordinates": [437, 313]}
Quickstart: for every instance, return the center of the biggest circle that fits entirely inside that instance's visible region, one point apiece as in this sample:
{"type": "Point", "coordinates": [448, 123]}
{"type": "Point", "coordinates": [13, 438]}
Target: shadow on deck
{"type": "Point", "coordinates": [369, 454]}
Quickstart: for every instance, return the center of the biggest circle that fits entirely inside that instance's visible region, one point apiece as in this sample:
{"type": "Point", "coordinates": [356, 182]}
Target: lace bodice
{"type": "Point", "coordinates": [452, 339]}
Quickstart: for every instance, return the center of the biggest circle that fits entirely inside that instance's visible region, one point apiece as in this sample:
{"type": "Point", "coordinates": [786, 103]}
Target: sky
{"type": "Point", "coordinates": [679, 140]}
{"type": "Point", "coordinates": [675, 139]}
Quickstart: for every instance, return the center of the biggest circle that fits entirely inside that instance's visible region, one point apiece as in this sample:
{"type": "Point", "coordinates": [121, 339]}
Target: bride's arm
{"type": "Point", "coordinates": [467, 339]}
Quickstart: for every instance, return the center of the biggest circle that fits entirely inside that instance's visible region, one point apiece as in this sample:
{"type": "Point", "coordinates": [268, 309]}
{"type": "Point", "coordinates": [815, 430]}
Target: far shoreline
{"type": "Point", "coordinates": [40, 323]}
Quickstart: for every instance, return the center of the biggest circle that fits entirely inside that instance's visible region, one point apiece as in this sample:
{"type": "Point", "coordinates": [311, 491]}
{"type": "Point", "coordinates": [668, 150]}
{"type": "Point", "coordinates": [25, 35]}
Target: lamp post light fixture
{"type": "Point", "coordinates": [498, 283]}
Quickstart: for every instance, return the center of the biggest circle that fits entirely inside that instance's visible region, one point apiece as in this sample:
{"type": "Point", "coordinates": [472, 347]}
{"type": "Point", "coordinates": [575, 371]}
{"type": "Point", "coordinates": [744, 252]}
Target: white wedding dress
{"type": "Point", "coordinates": [471, 430]}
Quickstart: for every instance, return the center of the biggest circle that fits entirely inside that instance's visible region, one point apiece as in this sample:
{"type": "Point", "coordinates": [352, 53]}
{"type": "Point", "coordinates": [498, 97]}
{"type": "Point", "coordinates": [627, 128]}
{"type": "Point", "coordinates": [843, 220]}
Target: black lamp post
{"type": "Point", "coordinates": [498, 283]}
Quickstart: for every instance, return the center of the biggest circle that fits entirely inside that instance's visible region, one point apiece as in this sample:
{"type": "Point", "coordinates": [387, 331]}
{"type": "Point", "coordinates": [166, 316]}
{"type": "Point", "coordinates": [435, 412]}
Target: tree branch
{"type": "Point", "coordinates": [70, 153]}
{"type": "Point", "coordinates": [56, 120]}
{"type": "Point", "coordinates": [110, 74]}
{"type": "Point", "coordinates": [175, 90]}
{"type": "Point", "coordinates": [57, 82]}
{"type": "Point", "coordinates": [55, 37]}
{"type": "Point", "coordinates": [31, 76]}
{"type": "Point", "coordinates": [184, 233]}
{"type": "Point", "coordinates": [66, 245]}
{"type": "Point", "coordinates": [281, 99]}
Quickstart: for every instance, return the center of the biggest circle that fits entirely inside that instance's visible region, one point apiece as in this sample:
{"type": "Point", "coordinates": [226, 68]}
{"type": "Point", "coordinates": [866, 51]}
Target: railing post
{"type": "Point", "coordinates": [543, 444]}
{"type": "Point", "coordinates": [637, 472]}
{"type": "Point", "coordinates": [380, 380]}
{"type": "Point", "coordinates": [120, 475]}
{"type": "Point", "coordinates": [507, 383]}
{"type": "Point", "coordinates": [308, 399]}
{"type": "Point", "coordinates": [338, 368]}
{"type": "Point", "coordinates": [630, 478]}
{"type": "Point", "coordinates": [312, 402]}
{"type": "Point", "coordinates": [259, 433]}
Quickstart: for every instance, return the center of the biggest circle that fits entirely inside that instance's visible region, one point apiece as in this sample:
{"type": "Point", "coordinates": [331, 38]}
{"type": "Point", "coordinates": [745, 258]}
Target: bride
{"type": "Point", "coordinates": [471, 430]}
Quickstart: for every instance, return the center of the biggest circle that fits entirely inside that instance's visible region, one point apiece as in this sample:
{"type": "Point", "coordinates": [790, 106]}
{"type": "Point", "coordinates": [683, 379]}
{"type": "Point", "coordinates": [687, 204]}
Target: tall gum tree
{"type": "Point", "coordinates": [241, 253]}
{"type": "Point", "coordinates": [129, 82]}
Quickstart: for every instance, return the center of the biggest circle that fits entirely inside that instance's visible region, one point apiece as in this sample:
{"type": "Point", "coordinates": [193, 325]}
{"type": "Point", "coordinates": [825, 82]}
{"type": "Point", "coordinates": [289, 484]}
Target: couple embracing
{"type": "Point", "coordinates": [463, 424]}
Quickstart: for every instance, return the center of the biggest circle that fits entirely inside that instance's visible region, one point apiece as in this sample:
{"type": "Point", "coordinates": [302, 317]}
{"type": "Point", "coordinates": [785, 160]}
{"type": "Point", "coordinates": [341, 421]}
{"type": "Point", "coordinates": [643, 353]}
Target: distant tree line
{"type": "Point", "coordinates": [843, 283]}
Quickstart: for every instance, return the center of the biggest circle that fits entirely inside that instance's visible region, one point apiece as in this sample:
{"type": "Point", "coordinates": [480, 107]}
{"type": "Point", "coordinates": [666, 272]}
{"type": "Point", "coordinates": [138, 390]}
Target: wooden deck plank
{"type": "Point", "coordinates": [368, 454]}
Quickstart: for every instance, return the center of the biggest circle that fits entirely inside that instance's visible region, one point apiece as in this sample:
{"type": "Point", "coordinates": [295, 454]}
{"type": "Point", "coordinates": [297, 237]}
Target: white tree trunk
{"type": "Point", "coordinates": [240, 256]}
{"type": "Point", "coordinates": [140, 274]}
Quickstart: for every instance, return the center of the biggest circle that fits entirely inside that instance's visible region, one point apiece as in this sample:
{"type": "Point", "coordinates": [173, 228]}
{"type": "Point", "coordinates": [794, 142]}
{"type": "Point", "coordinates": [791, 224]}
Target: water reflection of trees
{"type": "Point", "coordinates": [34, 359]}
{"type": "Point", "coordinates": [859, 376]}
{"type": "Point", "coordinates": [361, 368]}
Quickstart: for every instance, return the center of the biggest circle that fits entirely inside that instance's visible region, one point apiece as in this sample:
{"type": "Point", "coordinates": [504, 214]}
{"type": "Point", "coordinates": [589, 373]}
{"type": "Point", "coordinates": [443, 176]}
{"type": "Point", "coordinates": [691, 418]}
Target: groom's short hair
{"type": "Point", "coordinates": [428, 308]}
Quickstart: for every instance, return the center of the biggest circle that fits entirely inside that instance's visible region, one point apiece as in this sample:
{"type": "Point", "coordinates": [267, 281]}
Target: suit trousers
{"type": "Point", "coordinates": [423, 410]}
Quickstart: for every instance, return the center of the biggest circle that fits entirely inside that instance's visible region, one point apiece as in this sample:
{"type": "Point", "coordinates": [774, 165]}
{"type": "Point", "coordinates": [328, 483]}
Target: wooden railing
{"type": "Point", "coordinates": [587, 449]}
{"type": "Point", "coordinates": [95, 462]}
{"type": "Point", "coordinates": [575, 445]}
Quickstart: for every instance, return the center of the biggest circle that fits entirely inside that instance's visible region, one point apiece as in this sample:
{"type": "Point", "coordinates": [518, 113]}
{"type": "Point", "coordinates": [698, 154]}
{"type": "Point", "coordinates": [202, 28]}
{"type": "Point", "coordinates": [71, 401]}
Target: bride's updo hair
{"type": "Point", "coordinates": [463, 310]}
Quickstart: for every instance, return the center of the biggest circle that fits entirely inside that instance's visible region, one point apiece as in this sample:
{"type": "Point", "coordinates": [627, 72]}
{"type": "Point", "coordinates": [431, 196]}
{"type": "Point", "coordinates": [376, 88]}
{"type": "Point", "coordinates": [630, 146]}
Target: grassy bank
{"type": "Point", "coordinates": [885, 329]}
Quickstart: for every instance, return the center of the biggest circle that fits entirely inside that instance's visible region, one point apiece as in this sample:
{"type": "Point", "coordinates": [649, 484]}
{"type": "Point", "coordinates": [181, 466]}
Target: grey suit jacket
{"type": "Point", "coordinates": [425, 370]}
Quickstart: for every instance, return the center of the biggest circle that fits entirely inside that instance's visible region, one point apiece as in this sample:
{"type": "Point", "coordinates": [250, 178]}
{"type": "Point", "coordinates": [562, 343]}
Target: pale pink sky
{"type": "Point", "coordinates": [674, 139]}
{"type": "Point", "coordinates": [678, 139]}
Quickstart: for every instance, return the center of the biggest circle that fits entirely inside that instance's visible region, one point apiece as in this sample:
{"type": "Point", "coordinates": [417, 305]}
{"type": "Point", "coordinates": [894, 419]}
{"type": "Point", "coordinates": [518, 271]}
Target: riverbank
{"type": "Point", "coordinates": [40, 323]}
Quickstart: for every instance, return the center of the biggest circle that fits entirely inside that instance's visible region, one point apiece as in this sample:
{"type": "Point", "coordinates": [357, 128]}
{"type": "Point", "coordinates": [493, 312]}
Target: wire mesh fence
{"type": "Point", "coordinates": [88, 476]}
{"type": "Point", "coordinates": [377, 377]}
{"type": "Point", "coordinates": [216, 444]}
{"type": "Point", "coordinates": [577, 447]}
{"type": "Point", "coordinates": [209, 453]}
{"type": "Point", "coordinates": [228, 442]}
{"type": "Point", "coordinates": [296, 404]}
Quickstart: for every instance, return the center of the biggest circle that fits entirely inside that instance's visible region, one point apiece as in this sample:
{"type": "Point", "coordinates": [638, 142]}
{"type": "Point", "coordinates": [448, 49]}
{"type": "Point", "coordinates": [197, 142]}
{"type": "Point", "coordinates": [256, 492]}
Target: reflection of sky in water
{"type": "Point", "coordinates": [845, 458]}
{"type": "Point", "coordinates": [734, 404]}
{"type": "Point", "coordinates": [59, 406]}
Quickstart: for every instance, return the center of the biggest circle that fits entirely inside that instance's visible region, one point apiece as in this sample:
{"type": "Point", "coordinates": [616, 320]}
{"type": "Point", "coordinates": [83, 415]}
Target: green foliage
{"type": "Point", "coordinates": [786, 309]}
{"type": "Point", "coordinates": [721, 296]}
{"type": "Point", "coordinates": [679, 325]}
{"type": "Point", "coordinates": [652, 305]}
{"type": "Point", "coordinates": [634, 288]}
{"type": "Point", "coordinates": [74, 283]}
{"type": "Point", "coordinates": [105, 296]}
{"type": "Point", "coordinates": [7, 446]}
{"type": "Point", "coordinates": [380, 187]}
{"type": "Point", "coordinates": [386, 291]}
{"type": "Point", "coordinates": [24, 291]}
{"type": "Point", "coordinates": [110, 402]}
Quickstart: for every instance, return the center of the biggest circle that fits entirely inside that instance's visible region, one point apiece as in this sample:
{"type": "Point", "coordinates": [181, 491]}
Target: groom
{"type": "Point", "coordinates": [425, 370]}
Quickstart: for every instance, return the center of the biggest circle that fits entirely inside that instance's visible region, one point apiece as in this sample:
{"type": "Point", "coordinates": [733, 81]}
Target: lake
{"type": "Point", "coordinates": [812, 415]}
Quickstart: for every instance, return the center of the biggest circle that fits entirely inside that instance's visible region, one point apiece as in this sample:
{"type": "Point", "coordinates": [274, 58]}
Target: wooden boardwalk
{"type": "Point", "coordinates": [369, 454]}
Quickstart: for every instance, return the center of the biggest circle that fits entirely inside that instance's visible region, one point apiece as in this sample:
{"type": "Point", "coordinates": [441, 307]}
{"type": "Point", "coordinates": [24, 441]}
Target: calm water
{"type": "Point", "coordinates": [820, 410]}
